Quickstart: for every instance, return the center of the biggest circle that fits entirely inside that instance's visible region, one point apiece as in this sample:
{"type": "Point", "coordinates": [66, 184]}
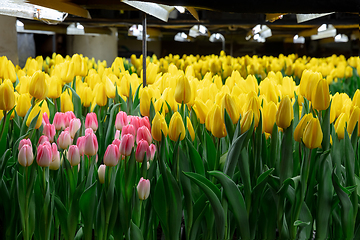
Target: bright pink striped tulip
{"type": "Point", "coordinates": [128, 129]}
{"type": "Point", "coordinates": [73, 155]}
{"type": "Point", "coordinates": [44, 155]}
{"type": "Point", "coordinates": [145, 122]}
{"type": "Point", "coordinates": [143, 133]}
{"type": "Point", "coordinates": [143, 188]}
{"type": "Point", "coordinates": [90, 144]}
{"type": "Point", "coordinates": [55, 163]}
{"type": "Point", "coordinates": [152, 151]}
{"type": "Point", "coordinates": [91, 121]}
{"type": "Point", "coordinates": [43, 139]}
{"type": "Point", "coordinates": [112, 155]}
{"type": "Point", "coordinates": [68, 116]}
{"type": "Point", "coordinates": [26, 156]}
{"type": "Point", "coordinates": [135, 121]}
{"type": "Point", "coordinates": [116, 142]}
{"type": "Point", "coordinates": [59, 120]}
{"type": "Point", "coordinates": [24, 142]}
{"type": "Point", "coordinates": [49, 131]}
{"type": "Point", "coordinates": [121, 120]}
{"type": "Point", "coordinates": [45, 119]}
{"type": "Point", "coordinates": [141, 149]}
{"type": "Point", "coordinates": [126, 145]}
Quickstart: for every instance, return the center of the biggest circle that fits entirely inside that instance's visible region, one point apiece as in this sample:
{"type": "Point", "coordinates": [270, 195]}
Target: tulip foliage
{"type": "Point", "coordinates": [213, 147]}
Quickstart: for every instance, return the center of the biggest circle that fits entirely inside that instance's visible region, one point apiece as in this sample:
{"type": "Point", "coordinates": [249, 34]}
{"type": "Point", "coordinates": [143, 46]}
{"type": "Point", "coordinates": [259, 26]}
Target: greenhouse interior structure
{"type": "Point", "coordinates": [179, 119]}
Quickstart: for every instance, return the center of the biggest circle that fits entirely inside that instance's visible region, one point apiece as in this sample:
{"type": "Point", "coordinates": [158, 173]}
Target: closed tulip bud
{"type": "Point", "coordinates": [76, 59]}
{"type": "Point", "coordinates": [144, 121]}
{"type": "Point", "coordinates": [66, 102]}
{"type": "Point", "coordinates": [121, 120]}
{"type": "Point", "coordinates": [117, 134]}
{"type": "Point", "coordinates": [145, 100]}
{"type": "Point", "coordinates": [55, 87]}
{"type": "Point", "coordinates": [285, 113]}
{"type": "Point", "coordinates": [75, 125]}
{"type": "Point", "coordinates": [340, 124]}
{"type": "Point", "coordinates": [304, 81]}
{"type": "Point", "coordinates": [141, 149]}
{"type": "Point", "coordinates": [313, 134]}
{"type": "Point", "coordinates": [229, 104]}
{"type": "Point", "coordinates": [152, 151]}
{"type": "Point", "coordinates": [67, 73]}
{"type": "Point", "coordinates": [116, 142]}
{"type": "Point", "coordinates": [299, 130]}
{"type": "Point", "coordinates": [135, 121]}
{"type": "Point", "coordinates": [10, 72]}
{"type": "Point", "coordinates": [143, 133]}
{"type": "Point", "coordinates": [246, 121]}
{"type": "Point", "coordinates": [176, 127]}
{"type": "Point", "coordinates": [59, 121]}
{"type": "Point", "coordinates": [112, 155]}
{"type": "Point", "coordinates": [100, 95]}
{"type": "Point", "coordinates": [43, 139]}
{"type": "Point", "coordinates": [55, 162]}
{"type": "Point", "coordinates": [26, 156]}
{"type": "Point", "coordinates": [38, 87]}
{"type": "Point", "coordinates": [64, 140]}
{"type": "Point", "coordinates": [23, 104]}
{"type": "Point", "coordinates": [44, 155]}
{"type": "Point", "coordinates": [356, 98]}
{"type": "Point", "coordinates": [73, 155]}
{"type": "Point", "coordinates": [90, 144]}
{"type": "Point", "coordinates": [354, 118]}
{"type": "Point", "coordinates": [80, 143]}
{"type": "Point", "coordinates": [254, 105]}
{"type": "Point", "coordinates": [91, 121]}
{"type": "Point", "coordinates": [49, 131]}
{"type": "Point", "coordinates": [143, 188]}
{"type": "Point", "coordinates": [23, 142]}
{"type": "Point", "coordinates": [86, 96]}
{"type": "Point", "coordinates": [45, 119]}
{"type": "Point", "coordinates": [33, 113]}
{"type": "Point", "coordinates": [159, 125]}
{"type": "Point", "coordinates": [217, 125]}
{"type": "Point", "coordinates": [190, 128]}
{"type": "Point", "coordinates": [68, 116]}
{"type": "Point", "coordinates": [268, 117]}
{"type": "Point", "coordinates": [320, 98]}
{"type": "Point", "coordinates": [101, 173]}
{"type": "Point", "coordinates": [201, 110]}
{"type": "Point", "coordinates": [183, 89]}
{"type": "Point", "coordinates": [7, 96]}
{"type": "Point", "coordinates": [128, 129]}
{"type": "Point", "coordinates": [126, 145]}
{"type": "Point", "coordinates": [313, 81]}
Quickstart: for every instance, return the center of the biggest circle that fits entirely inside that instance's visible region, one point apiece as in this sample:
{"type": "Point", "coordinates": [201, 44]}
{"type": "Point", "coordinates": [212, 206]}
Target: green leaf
{"type": "Point", "coordinates": [5, 127]}
{"type": "Point", "coordinates": [195, 157]}
{"type": "Point", "coordinates": [87, 205]}
{"type": "Point", "coordinates": [325, 127]}
{"type": "Point", "coordinates": [136, 97]}
{"type": "Point", "coordinates": [134, 232]}
{"type": "Point", "coordinates": [286, 161]}
{"type": "Point", "coordinates": [77, 102]}
{"type": "Point", "coordinates": [62, 215]}
{"type": "Point", "coordinates": [208, 188]}
{"type": "Point", "coordinates": [230, 128]}
{"type": "Point", "coordinates": [110, 132]}
{"type": "Point", "coordinates": [210, 152]}
{"type": "Point", "coordinates": [236, 201]}
{"type": "Point", "coordinates": [349, 168]}
{"type": "Point", "coordinates": [299, 223]}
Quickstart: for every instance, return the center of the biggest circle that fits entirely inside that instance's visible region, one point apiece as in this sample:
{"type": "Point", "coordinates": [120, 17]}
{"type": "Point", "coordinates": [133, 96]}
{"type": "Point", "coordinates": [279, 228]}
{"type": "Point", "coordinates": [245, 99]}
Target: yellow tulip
{"type": "Point", "coordinates": [151, 72]}
{"type": "Point", "coordinates": [100, 94]}
{"type": "Point", "coordinates": [190, 128]}
{"type": "Point", "coordinates": [201, 110]}
{"type": "Point", "coordinates": [254, 105]}
{"type": "Point", "coordinates": [246, 121]}
{"type": "Point", "coordinates": [268, 117]}
{"type": "Point", "coordinates": [38, 87]}
{"type": "Point", "coordinates": [66, 102]}
{"type": "Point", "coordinates": [55, 87]}
{"type": "Point", "coordinates": [314, 78]}
{"type": "Point", "coordinates": [313, 134]}
{"type": "Point", "coordinates": [145, 101]}
{"type": "Point", "coordinates": [35, 111]}
{"type": "Point", "coordinates": [109, 87]}
{"type": "Point", "coordinates": [23, 104]}
{"type": "Point", "coordinates": [320, 95]}
{"type": "Point", "coordinates": [183, 89]}
{"type": "Point", "coordinates": [340, 124]}
{"type": "Point", "coordinates": [9, 71]}
{"type": "Point", "coordinates": [299, 130]}
{"type": "Point", "coordinates": [285, 113]}
{"type": "Point", "coordinates": [354, 118]}
{"type": "Point", "coordinates": [76, 59]}
{"type": "Point", "coordinates": [7, 96]}
{"type": "Point", "coordinates": [176, 127]}
{"type": "Point", "coordinates": [86, 96]}
{"type": "Point", "coordinates": [229, 104]}
{"type": "Point", "coordinates": [216, 124]}
{"type": "Point", "coordinates": [158, 127]}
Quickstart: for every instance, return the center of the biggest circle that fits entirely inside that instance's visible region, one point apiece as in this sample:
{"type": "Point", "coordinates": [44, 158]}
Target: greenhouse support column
{"type": "Point", "coordinates": [8, 40]}
{"type": "Point", "coordinates": [144, 48]}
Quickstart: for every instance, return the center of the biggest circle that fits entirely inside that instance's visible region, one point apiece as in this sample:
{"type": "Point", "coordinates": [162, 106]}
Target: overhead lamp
{"type": "Point", "coordinates": [259, 33]}
{"type": "Point", "coordinates": [218, 37]}
{"type": "Point", "coordinates": [181, 37]}
{"type": "Point", "coordinates": [307, 17]}
{"type": "Point", "coordinates": [135, 30]}
{"type": "Point", "coordinates": [258, 38]}
{"type": "Point", "coordinates": [341, 38]}
{"type": "Point", "coordinates": [198, 30]}
{"type": "Point", "coordinates": [324, 31]}
{"type": "Point", "coordinates": [298, 39]}
{"type": "Point", "coordinates": [31, 11]}
{"type": "Point", "coordinates": [180, 9]}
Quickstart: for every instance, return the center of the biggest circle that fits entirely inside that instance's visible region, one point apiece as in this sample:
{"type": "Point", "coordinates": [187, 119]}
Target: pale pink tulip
{"type": "Point", "coordinates": [143, 188]}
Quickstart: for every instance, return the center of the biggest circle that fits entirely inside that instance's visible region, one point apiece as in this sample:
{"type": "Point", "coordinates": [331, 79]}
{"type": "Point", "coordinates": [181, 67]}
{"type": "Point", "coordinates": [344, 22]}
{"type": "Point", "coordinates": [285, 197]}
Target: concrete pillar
{"type": "Point", "coordinates": [102, 47]}
{"type": "Point", "coordinates": [8, 39]}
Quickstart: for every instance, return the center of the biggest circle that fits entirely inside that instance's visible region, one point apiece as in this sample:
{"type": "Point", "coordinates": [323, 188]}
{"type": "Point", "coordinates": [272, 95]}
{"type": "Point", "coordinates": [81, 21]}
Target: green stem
{"type": "Point", "coordinates": [107, 212]}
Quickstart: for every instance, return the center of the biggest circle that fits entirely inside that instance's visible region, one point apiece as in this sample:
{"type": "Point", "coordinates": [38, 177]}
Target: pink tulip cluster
{"type": "Point", "coordinates": [47, 154]}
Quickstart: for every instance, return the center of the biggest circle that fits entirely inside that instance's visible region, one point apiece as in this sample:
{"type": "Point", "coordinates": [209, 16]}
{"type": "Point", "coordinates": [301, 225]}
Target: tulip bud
{"type": "Point", "coordinates": [320, 98]}
{"type": "Point", "coordinates": [112, 155]}
{"type": "Point", "coordinates": [66, 102]}
{"type": "Point", "coordinates": [126, 145]}
{"type": "Point", "coordinates": [101, 173]}
{"type": "Point", "coordinates": [45, 119]}
{"type": "Point", "coordinates": [285, 113]}
{"type": "Point", "coordinates": [176, 127]}
{"type": "Point", "coordinates": [228, 103]}
{"type": "Point", "coordinates": [313, 134]}
{"type": "Point", "coordinates": [143, 133]}
{"type": "Point", "coordinates": [159, 125]}
{"type": "Point", "coordinates": [7, 96]}
{"type": "Point", "coordinates": [340, 124]}
{"type": "Point", "coordinates": [38, 87]}
{"type": "Point", "coordinates": [116, 142]}
{"type": "Point", "coordinates": [182, 90]}
{"type": "Point", "coordinates": [90, 144]}
{"type": "Point", "coordinates": [121, 120]}
{"type": "Point", "coordinates": [68, 116]}
{"type": "Point", "coordinates": [128, 129]}
{"type": "Point", "coordinates": [268, 117]}
{"type": "Point", "coordinates": [23, 142]}
{"type": "Point", "coordinates": [144, 121]}
{"type": "Point", "coordinates": [246, 121]}
{"type": "Point", "coordinates": [143, 188]}
{"type": "Point", "coordinates": [152, 151]}
{"type": "Point", "coordinates": [117, 134]}
{"type": "Point", "coordinates": [299, 130]}
{"type": "Point", "coordinates": [80, 143]}
{"type": "Point", "coordinates": [73, 155]}
{"type": "Point", "coordinates": [64, 140]}
{"type": "Point", "coordinates": [201, 110]}
{"type": "Point", "coordinates": [55, 162]}
{"type": "Point", "coordinates": [49, 131]}
{"type": "Point", "coordinates": [44, 155]}
{"type": "Point", "coordinates": [59, 121]}
{"type": "Point", "coordinates": [354, 118]}
{"type": "Point", "coordinates": [216, 123]}
{"type": "Point", "coordinates": [100, 94]}
{"type": "Point", "coordinates": [135, 121]}
{"type": "Point", "coordinates": [26, 156]}
{"type": "Point", "coordinates": [55, 87]}
{"type": "Point", "coordinates": [75, 125]}
{"type": "Point", "coordinates": [91, 121]}
{"type": "Point", "coordinates": [190, 128]}
{"type": "Point", "coordinates": [141, 149]}
{"type": "Point", "coordinates": [145, 100]}
{"type": "Point", "coordinates": [23, 104]}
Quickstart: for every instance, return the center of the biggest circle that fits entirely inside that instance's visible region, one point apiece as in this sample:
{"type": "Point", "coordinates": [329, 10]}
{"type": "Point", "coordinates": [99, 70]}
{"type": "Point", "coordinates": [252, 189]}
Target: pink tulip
{"type": "Point", "coordinates": [80, 143]}
{"type": "Point", "coordinates": [101, 173]}
{"type": "Point", "coordinates": [145, 122]}
{"type": "Point", "coordinates": [143, 188]}
{"type": "Point", "coordinates": [55, 163]}
{"type": "Point", "coordinates": [91, 121]}
{"type": "Point", "coordinates": [73, 155]}
{"type": "Point", "coordinates": [121, 120]}
{"type": "Point", "coordinates": [24, 142]}
{"type": "Point", "coordinates": [45, 119]}
{"type": "Point", "coordinates": [128, 129]}
{"type": "Point", "coordinates": [126, 145]}
{"type": "Point", "coordinates": [152, 151]}
{"type": "Point", "coordinates": [26, 156]}
{"type": "Point", "coordinates": [135, 121]}
{"type": "Point", "coordinates": [64, 140]}
{"type": "Point", "coordinates": [68, 116]}
{"type": "Point", "coordinates": [44, 155]}
{"type": "Point", "coordinates": [59, 120]}
{"type": "Point", "coordinates": [88, 131]}
{"type": "Point", "coordinates": [90, 144]}
{"type": "Point", "coordinates": [49, 131]}
{"type": "Point", "coordinates": [117, 134]}
{"type": "Point", "coordinates": [116, 142]}
{"type": "Point", "coordinates": [43, 139]}
{"type": "Point", "coordinates": [143, 133]}
{"type": "Point", "coordinates": [141, 149]}
{"type": "Point", "coordinates": [75, 125]}
{"type": "Point", "coordinates": [112, 155]}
